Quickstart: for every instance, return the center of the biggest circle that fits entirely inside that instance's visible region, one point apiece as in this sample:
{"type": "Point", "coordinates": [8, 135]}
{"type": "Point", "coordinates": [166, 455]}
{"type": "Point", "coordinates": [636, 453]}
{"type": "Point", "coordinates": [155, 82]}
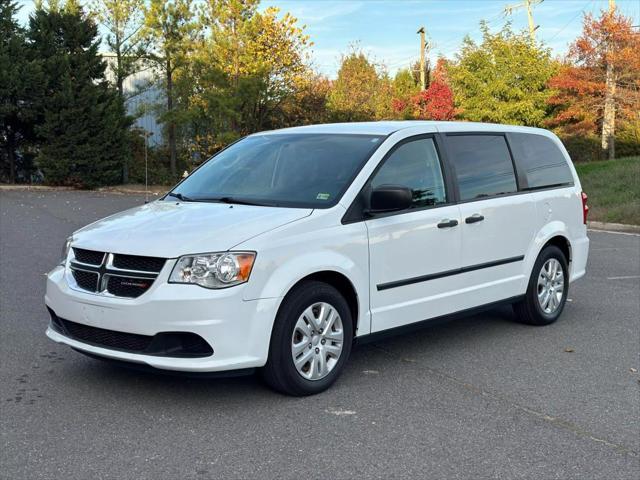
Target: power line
{"type": "Point", "coordinates": [586, 5]}
{"type": "Point", "coordinates": [451, 42]}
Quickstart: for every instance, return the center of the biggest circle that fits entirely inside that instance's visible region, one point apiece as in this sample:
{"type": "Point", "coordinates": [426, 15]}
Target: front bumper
{"type": "Point", "coordinates": [239, 331]}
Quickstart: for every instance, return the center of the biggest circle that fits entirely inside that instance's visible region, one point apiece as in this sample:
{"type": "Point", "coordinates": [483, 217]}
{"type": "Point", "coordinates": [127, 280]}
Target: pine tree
{"type": "Point", "coordinates": [18, 81]}
{"type": "Point", "coordinates": [83, 125]}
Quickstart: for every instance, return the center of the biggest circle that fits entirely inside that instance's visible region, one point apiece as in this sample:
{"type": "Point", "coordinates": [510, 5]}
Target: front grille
{"type": "Point", "coordinates": [90, 257]}
{"type": "Point", "coordinates": [167, 344]}
{"type": "Point", "coordinates": [126, 276]}
{"type": "Point", "coordinates": [86, 280]}
{"type": "Point", "coordinates": [127, 286]}
{"type": "Point", "coordinates": [130, 342]}
{"type": "Point", "coordinates": [135, 262]}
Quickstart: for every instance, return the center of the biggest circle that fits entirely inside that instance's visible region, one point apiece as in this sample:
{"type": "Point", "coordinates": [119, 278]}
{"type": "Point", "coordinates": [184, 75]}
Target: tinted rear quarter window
{"type": "Point", "coordinates": [541, 159]}
{"type": "Point", "coordinates": [482, 164]}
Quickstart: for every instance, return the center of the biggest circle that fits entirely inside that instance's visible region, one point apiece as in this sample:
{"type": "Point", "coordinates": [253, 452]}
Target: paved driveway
{"type": "Point", "coordinates": [481, 397]}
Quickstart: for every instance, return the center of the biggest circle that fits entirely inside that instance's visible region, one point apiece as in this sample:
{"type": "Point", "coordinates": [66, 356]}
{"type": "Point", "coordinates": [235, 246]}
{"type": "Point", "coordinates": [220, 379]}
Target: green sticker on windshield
{"type": "Point", "coordinates": [322, 196]}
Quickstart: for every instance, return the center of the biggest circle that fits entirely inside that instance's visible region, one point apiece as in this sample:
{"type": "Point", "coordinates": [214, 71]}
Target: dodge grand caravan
{"type": "Point", "coordinates": [287, 246]}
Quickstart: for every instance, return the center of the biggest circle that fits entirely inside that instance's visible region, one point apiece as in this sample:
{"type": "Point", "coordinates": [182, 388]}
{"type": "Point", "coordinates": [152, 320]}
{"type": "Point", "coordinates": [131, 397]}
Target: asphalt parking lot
{"type": "Point", "coordinates": [481, 397]}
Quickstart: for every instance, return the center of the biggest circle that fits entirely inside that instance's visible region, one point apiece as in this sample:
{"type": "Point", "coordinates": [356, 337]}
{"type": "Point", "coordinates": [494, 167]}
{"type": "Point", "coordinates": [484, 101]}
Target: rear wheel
{"type": "Point", "coordinates": [311, 340]}
{"type": "Point", "coordinates": [547, 289]}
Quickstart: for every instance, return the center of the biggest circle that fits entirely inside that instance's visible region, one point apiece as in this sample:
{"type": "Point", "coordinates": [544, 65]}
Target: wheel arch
{"type": "Point", "coordinates": [341, 283]}
{"type": "Point", "coordinates": [563, 243]}
{"type": "Point", "coordinates": [554, 233]}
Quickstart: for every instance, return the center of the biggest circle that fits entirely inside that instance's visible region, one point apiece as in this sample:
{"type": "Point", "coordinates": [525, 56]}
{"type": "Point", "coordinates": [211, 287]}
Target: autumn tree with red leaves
{"type": "Point", "coordinates": [436, 102]}
{"type": "Point", "coordinates": [607, 52]}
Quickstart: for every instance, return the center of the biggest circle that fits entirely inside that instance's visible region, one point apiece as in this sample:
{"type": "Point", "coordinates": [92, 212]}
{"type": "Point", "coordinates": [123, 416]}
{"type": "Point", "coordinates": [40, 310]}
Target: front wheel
{"type": "Point", "coordinates": [547, 290]}
{"type": "Point", "coordinates": [311, 340]}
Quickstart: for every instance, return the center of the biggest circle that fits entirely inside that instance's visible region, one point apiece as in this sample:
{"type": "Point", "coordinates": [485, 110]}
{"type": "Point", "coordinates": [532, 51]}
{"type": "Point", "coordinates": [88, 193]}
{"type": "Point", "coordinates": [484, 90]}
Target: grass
{"type": "Point", "coordinates": [613, 187]}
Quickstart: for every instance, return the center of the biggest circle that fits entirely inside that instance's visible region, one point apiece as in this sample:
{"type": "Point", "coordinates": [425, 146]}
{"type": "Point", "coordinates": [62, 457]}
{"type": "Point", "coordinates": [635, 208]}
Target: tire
{"type": "Point", "coordinates": [296, 328]}
{"type": "Point", "coordinates": [530, 309]}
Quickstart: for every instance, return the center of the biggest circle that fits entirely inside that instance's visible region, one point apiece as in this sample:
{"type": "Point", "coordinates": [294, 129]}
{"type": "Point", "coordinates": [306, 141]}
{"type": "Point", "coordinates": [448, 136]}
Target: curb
{"type": "Point", "coordinates": [127, 191]}
{"type": "Point", "coordinates": [36, 188]}
{"type": "Point", "coordinates": [114, 190]}
{"type": "Point", "coordinates": [614, 227]}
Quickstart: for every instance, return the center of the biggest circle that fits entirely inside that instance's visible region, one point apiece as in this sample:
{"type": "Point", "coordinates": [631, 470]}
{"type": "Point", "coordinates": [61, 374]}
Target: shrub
{"type": "Point", "coordinates": [587, 148]}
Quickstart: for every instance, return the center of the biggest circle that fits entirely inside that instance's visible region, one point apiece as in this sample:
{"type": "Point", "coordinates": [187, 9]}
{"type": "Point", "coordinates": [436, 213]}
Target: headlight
{"type": "Point", "coordinates": [213, 270]}
{"type": "Point", "coordinates": [65, 251]}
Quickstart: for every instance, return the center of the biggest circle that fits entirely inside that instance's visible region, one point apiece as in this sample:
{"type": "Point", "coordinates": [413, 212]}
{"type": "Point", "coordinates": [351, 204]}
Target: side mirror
{"type": "Point", "coordinates": [390, 198]}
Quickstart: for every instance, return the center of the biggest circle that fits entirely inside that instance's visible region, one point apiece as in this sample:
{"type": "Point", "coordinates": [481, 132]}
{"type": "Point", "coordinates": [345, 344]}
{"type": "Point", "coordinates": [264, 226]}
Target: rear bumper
{"type": "Point", "coordinates": [238, 331]}
{"type": "Point", "coordinates": [579, 257]}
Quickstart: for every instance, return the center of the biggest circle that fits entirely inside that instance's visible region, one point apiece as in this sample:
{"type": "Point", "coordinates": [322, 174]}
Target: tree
{"type": "Point", "coordinates": [82, 125]}
{"type": "Point", "coordinates": [123, 20]}
{"type": "Point", "coordinates": [606, 52]}
{"type": "Point", "coordinates": [308, 105]}
{"type": "Point", "coordinates": [436, 102]}
{"type": "Point", "coordinates": [361, 92]}
{"type": "Point", "coordinates": [244, 74]}
{"type": "Point", "coordinates": [19, 79]}
{"type": "Point", "coordinates": [280, 56]}
{"type": "Point", "coordinates": [503, 79]}
{"type": "Point", "coordinates": [171, 29]}
{"type": "Point", "coordinates": [405, 88]}
{"type": "Point", "coordinates": [264, 56]}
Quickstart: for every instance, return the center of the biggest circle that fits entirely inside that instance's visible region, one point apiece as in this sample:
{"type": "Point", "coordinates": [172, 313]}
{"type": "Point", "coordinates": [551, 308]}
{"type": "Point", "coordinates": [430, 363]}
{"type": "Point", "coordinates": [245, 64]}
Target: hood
{"type": "Point", "coordinates": [170, 229]}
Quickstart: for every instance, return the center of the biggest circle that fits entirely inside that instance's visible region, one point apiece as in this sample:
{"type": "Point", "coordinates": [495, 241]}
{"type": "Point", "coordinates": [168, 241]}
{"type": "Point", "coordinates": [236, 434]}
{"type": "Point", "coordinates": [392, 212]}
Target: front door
{"type": "Point", "coordinates": [412, 253]}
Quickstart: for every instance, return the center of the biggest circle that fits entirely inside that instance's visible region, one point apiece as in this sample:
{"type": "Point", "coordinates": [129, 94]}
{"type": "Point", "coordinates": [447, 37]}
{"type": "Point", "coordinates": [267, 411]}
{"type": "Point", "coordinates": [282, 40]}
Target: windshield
{"type": "Point", "coordinates": [292, 170]}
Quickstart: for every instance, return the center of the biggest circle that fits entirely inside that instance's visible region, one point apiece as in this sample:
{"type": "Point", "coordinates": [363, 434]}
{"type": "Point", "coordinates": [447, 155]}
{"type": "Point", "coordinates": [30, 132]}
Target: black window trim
{"type": "Point", "coordinates": [355, 213]}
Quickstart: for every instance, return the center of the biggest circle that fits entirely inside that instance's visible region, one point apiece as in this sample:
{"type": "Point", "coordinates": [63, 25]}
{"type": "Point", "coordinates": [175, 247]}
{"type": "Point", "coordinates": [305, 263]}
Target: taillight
{"type": "Point", "coordinates": [585, 207]}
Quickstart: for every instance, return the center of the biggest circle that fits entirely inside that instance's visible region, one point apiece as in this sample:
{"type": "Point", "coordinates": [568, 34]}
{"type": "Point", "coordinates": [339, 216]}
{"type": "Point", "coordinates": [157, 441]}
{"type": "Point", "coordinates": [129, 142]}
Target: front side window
{"type": "Point", "coordinates": [483, 165]}
{"type": "Point", "coordinates": [292, 170]}
{"type": "Point", "coordinates": [541, 159]}
{"type": "Point", "coordinates": [414, 165]}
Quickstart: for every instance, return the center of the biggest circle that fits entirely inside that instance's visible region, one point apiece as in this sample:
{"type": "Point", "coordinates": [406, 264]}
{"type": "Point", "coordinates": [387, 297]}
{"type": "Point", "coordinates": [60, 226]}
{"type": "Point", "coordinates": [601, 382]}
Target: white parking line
{"type": "Point", "coordinates": [628, 277]}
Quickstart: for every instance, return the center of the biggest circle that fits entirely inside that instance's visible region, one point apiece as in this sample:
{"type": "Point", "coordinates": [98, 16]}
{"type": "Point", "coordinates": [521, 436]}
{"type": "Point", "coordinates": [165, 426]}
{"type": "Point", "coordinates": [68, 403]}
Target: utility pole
{"type": "Point", "coordinates": [528, 5]}
{"type": "Point", "coordinates": [609, 116]}
{"type": "Point", "coordinates": [423, 47]}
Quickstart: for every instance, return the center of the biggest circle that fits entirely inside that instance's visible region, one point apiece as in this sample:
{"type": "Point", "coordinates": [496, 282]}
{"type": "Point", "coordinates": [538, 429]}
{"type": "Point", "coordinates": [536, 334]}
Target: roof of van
{"type": "Point", "coordinates": [389, 127]}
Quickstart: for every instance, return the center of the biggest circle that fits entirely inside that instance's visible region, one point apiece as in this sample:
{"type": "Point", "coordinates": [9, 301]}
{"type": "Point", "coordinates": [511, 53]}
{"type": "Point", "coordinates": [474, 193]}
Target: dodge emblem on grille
{"type": "Point", "coordinates": [129, 283]}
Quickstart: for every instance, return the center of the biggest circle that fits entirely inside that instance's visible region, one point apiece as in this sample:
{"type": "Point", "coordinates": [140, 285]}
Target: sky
{"type": "Point", "coordinates": [386, 29]}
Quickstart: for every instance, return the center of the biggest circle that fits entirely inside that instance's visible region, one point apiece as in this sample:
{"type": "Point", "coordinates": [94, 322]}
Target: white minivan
{"type": "Point", "coordinates": [287, 247]}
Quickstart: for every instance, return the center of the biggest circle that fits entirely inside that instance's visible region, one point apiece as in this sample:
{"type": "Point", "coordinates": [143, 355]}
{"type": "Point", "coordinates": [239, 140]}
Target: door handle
{"type": "Point", "coordinates": [476, 217]}
{"type": "Point", "coordinates": [447, 223]}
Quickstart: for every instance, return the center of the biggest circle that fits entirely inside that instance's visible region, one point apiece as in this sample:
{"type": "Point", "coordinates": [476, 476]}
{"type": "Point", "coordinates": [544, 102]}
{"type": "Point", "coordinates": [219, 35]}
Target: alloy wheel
{"type": "Point", "coordinates": [317, 341]}
{"type": "Point", "coordinates": [550, 286]}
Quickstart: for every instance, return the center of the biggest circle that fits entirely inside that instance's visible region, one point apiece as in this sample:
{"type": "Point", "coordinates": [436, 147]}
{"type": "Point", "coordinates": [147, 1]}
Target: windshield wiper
{"type": "Point", "coordinates": [230, 200]}
{"type": "Point", "coordinates": [181, 197]}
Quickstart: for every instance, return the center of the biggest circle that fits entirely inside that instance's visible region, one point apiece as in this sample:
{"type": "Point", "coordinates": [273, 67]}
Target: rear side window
{"type": "Point", "coordinates": [483, 165]}
{"type": "Point", "coordinates": [415, 165]}
{"type": "Point", "coordinates": [541, 159]}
